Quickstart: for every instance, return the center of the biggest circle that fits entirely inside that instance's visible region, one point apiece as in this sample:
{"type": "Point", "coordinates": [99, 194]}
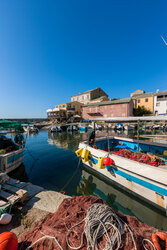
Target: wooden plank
{"type": "Point", "coordinates": [9, 197]}
{"type": "Point", "coordinates": [16, 183]}
{"type": "Point", "coordinates": [20, 192]}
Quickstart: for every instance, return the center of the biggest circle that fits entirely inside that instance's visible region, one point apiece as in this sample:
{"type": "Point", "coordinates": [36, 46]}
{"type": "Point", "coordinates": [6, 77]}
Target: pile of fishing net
{"type": "Point", "coordinates": [85, 222]}
{"type": "Point", "coordinates": [140, 157]}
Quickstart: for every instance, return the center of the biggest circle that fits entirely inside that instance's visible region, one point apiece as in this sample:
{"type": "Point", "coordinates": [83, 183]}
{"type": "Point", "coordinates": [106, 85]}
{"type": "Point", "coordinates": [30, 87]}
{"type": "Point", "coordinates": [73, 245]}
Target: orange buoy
{"type": "Point", "coordinates": [162, 236]}
{"type": "Point", "coordinates": [156, 242]}
{"type": "Point", "coordinates": [8, 241]}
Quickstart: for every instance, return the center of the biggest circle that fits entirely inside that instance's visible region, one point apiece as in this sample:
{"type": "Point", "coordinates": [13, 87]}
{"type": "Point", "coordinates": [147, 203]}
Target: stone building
{"type": "Point", "coordinates": [88, 96]}
{"type": "Point", "coordinates": [137, 92]}
{"type": "Point", "coordinates": [116, 108]}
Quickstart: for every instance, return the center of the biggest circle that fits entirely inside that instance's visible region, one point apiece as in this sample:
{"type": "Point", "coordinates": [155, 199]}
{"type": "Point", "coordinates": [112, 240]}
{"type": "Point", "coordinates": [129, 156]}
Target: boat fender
{"type": "Point", "coordinates": [85, 155]}
{"type": "Point", "coordinates": [108, 161]}
{"type": "Point", "coordinates": [100, 163]}
{"type": "Point", "coordinates": [8, 241]}
{"type": "Point", "coordinates": [165, 153]}
{"type": "Point", "coordinates": [5, 219]}
{"type": "Point", "coordinates": [79, 152]}
{"type": "Point", "coordinates": [19, 139]}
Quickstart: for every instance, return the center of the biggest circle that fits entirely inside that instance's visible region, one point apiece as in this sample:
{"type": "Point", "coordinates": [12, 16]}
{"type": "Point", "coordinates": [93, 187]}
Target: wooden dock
{"type": "Point", "coordinates": [15, 192]}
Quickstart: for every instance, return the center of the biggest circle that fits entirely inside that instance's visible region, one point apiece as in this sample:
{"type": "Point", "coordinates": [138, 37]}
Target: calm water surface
{"type": "Point", "coordinates": [50, 162]}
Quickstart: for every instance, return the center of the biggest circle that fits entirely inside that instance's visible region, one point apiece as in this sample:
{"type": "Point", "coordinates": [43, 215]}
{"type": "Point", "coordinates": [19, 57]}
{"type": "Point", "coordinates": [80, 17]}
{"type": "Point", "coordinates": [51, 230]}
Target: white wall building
{"type": "Point", "coordinates": [160, 103]}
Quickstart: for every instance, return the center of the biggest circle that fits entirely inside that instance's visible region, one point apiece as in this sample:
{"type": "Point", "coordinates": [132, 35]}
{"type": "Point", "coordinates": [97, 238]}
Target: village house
{"type": "Point", "coordinates": [145, 100]}
{"type": "Point", "coordinates": [160, 103]}
{"type": "Point", "coordinates": [116, 108]}
{"type": "Point", "coordinates": [90, 95]}
{"type": "Point", "coordinates": [64, 111]}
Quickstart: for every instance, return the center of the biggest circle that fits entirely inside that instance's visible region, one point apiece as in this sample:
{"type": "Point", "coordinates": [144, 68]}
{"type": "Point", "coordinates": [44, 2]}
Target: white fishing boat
{"type": "Point", "coordinates": [72, 128]}
{"type": "Point", "coordinates": [11, 153]}
{"type": "Point", "coordinates": [117, 159]}
{"type": "Point", "coordinates": [30, 128]}
{"type": "Point", "coordinates": [97, 126]}
{"type": "Point", "coordinates": [56, 128]}
{"type": "Point", "coordinates": [129, 127]}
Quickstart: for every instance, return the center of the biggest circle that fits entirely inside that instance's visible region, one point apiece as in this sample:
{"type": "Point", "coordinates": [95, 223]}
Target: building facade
{"type": "Point", "coordinates": [88, 96]}
{"type": "Point", "coordinates": [117, 108]}
{"type": "Point", "coordinates": [64, 111]}
{"type": "Point", "coordinates": [160, 103]}
{"type": "Point", "coordinates": [144, 100]}
{"type": "Point", "coordinates": [137, 92]}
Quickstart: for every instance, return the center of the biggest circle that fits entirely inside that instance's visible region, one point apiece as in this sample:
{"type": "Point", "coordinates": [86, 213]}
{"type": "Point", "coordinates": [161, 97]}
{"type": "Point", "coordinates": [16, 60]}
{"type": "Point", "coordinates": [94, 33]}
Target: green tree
{"type": "Point", "coordinates": [140, 111]}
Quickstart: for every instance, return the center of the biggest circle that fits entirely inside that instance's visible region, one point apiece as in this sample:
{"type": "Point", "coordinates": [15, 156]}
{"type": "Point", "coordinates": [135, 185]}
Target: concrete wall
{"type": "Point", "coordinates": [114, 110]}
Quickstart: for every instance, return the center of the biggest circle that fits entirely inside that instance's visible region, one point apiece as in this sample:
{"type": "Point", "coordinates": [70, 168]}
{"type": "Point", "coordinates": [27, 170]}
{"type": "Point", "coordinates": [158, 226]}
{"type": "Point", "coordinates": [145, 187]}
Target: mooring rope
{"type": "Point", "coordinates": [70, 179]}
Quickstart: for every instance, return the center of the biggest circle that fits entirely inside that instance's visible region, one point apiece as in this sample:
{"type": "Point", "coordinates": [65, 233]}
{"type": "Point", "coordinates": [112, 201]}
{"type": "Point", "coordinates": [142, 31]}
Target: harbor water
{"type": "Point", "coordinates": [50, 162]}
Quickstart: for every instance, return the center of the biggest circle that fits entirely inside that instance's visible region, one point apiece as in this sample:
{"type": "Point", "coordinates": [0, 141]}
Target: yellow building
{"type": "Point", "coordinates": [144, 100]}
{"type": "Point", "coordinates": [62, 112]}
{"type": "Point", "coordinates": [73, 107]}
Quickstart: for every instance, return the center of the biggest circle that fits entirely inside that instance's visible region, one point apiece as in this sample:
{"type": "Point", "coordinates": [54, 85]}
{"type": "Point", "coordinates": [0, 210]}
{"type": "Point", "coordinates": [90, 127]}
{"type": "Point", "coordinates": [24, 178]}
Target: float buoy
{"type": "Point", "coordinates": [108, 161]}
{"type": "Point", "coordinates": [8, 241]}
{"type": "Point", "coordinates": [5, 219]}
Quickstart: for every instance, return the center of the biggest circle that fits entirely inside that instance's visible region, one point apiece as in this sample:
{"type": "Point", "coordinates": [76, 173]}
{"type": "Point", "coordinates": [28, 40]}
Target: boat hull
{"type": "Point", "coordinates": [136, 178]}
{"type": "Point", "coordinates": [12, 160]}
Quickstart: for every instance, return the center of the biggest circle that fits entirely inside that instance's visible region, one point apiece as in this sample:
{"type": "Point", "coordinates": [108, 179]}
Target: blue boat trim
{"type": "Point", "coordinates": [14, 157]}
{"type": "Point", "coordinates": [135, 179]}
{"type": "Point", "coordinates": [12, 165]}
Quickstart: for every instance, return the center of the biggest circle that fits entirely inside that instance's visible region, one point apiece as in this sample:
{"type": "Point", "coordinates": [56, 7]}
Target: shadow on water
{"type": "Point", "coordinates": [50, 161]}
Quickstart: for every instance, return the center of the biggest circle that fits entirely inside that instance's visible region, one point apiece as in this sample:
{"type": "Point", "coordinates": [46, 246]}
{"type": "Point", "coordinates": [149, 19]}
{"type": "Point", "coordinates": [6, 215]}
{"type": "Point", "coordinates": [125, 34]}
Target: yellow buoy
{"type": "Point", "coordinates": [165, 153]}
{"type": "Point", "coordinates": [79, 152]}
{"type": "Point", "coordinates": [85, 155]}
{"type": "Point", "coordinates": [100, 163]}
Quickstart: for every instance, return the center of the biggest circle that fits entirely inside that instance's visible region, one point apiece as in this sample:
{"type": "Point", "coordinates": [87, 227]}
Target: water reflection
{"type": "Point", "coordinates": [50, 162]}
{"type": "Point", "coordinates": [120, 200]}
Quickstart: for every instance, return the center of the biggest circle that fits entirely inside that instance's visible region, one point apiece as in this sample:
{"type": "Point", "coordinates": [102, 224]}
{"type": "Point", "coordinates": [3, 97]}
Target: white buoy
{"type": "Point", "coordinates": [5, 219]}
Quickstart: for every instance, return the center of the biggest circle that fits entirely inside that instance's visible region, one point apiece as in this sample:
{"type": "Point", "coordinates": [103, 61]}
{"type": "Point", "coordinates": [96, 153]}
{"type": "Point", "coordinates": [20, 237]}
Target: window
{"type": "Point", "coordinates": [64, 106]}
{"type": "Point", "coordinates": [157, 104]}
{"type": "Point", "coordinates": [146, 100]}
{"type": "Point", "coordinates": [77, 98]}
{"type": "Point", "coordinates": [82, 97]}
{"type": "Point", "coordinates": [87, 96]}
{"type": "Point", "coordinates": [138, 101]}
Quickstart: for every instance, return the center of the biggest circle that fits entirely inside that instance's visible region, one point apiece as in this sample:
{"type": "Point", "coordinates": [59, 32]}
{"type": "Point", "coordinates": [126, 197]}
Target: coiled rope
{"type": "Point", "coordinates": [100, 220]}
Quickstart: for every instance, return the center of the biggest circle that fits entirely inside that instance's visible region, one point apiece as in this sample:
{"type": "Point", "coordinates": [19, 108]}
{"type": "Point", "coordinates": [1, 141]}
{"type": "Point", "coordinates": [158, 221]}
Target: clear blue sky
{"type": "Point", "coordinates": [50, 50]}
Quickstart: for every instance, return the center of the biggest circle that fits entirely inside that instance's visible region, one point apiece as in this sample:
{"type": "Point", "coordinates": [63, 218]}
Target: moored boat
{"type": "Point", "coordinates": [83, 127]}
{"type": "Point", "coordinates": [139, 167]}
{"type": "Point", "coordinates": [30, 128]}
{"type": "Point", "coordinates": [129, 127]}
{"type": "Point", "coordinates": [11, 153]}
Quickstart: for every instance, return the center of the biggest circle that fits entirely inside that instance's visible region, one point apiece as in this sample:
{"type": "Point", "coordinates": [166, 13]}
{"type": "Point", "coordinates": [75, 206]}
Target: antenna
{"type": "Point", "coordinates": [164, 40]}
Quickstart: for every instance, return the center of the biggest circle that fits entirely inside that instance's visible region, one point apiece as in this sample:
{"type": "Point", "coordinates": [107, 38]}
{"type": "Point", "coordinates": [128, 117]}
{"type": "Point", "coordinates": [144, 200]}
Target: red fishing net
{"type": "Point", "coordinates": [71, 212]}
